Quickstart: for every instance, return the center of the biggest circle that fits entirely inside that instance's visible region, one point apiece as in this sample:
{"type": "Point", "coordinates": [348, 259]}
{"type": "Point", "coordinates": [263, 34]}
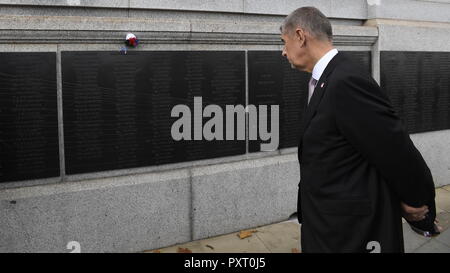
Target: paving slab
{"type": "Point", "coordinates": [444, 237]}
{"type": "Point", "coordinates": [280, 238]}
{"type": "Point", "coordinates": [433, 246]}
{"type": "Point", "coordinates": [443, 199]}
{"type": "Point", "coordinates": [229, 243]}
{"type": "Point", "coordinates": [412, 240]}
{"type": "Point", "coordinates": [444, 220]}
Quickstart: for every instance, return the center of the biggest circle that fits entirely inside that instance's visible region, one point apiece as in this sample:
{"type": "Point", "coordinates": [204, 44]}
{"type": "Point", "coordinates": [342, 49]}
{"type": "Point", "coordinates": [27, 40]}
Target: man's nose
{"type": "Point", "coordinates": [283, 53]}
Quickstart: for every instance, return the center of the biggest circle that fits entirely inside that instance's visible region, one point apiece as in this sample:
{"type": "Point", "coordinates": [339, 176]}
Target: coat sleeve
{"type": "Point", "coordinates": [367, 120]}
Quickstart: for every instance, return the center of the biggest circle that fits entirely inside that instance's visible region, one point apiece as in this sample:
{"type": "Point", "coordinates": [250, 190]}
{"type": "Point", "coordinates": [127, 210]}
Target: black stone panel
{"type": "Point", "coordinates": [117, 108]}
{"type": "Point", "coordinates": [272, 81]}
{"type": "Point", "coordinates": [362, 59]}
{"type": "Point", "coordinates": [28, 116]}
{"type": "Point", "coordinates": [418, 85]}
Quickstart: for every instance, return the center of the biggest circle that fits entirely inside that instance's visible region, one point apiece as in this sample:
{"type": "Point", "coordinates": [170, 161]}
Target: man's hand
{"type": "Point", "coordinates": [414, 214]}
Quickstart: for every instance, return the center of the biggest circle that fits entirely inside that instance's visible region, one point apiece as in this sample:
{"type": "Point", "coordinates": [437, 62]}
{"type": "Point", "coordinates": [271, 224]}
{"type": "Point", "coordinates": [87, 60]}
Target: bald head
{"type": "Point", "coordinates": [311, 20]}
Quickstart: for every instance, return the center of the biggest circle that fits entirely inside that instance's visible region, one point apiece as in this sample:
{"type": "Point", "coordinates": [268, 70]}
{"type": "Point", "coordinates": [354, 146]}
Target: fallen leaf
{"type": "Point", "coordinates": [210, 247]}
{"type": "Point", "coordinates": [152, 251]}
{"type": "Point", "coordinates": [246, 233]}
{"type": "Point", "coordinates": [295, 250]}
{"type": "Point", "coordinates": [184, 250]}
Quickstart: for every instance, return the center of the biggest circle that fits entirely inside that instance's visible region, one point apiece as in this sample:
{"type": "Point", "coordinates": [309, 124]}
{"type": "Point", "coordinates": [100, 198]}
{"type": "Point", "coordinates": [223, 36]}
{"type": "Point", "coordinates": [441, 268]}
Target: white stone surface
{"type": "Point", "coordinates": [121, 214]}
{"type": "Point", "coordinates": [354, 9]}
{"type": "Point", "coordinates": [71, 3]}
{"type": "Point", "coordinates": [435, 11]}
{"type": "Point", "coordinates": [412, 36]}
{"type": "Point", "coordinates": [241, 195]}
{"type": "Point", "coordinates": [80, 23]}
{"type": "Point", "coordinates": [210, 5]}
{"type": "Point", "coordinates": [435, 149]}
{"type": "Point", "coordinates": [350, 9]}
{"type": "Point", "coordinates": [284, 7]}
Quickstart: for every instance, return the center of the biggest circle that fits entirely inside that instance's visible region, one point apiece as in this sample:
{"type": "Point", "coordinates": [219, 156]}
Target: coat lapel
{"type": "Point", "coordinates": [319, 90]}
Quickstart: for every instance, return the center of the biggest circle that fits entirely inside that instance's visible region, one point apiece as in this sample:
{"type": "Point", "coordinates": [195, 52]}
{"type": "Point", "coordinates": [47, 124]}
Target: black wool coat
{"type": "Point", "coordinates": [357, 163]}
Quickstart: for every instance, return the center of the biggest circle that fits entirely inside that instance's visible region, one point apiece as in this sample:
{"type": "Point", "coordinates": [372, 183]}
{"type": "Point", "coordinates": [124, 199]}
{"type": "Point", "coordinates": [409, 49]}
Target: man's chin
{"type": "Point", "coordinates": [297, 67]}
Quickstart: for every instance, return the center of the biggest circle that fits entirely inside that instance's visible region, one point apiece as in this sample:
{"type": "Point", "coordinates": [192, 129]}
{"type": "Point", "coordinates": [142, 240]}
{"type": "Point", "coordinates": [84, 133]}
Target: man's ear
{"type": "Point", "coordinates": [300, 36]}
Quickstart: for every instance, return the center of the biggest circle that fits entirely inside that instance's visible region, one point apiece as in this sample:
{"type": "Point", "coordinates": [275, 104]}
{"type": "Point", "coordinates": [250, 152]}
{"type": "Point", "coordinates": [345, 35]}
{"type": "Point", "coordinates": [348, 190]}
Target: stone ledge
{"type": "Point", "coordinates": [111, 37]}
{"type": "Point", "coordinates": [409, 10]}
{"type": "Point", "coordinates": [74, 29]}
{"type": "Point", "coordinates": [355, 9]}
{"type": "Point", "coordinates": [401, 35]}
{"type": "Point", "coordinates": [348, 9]}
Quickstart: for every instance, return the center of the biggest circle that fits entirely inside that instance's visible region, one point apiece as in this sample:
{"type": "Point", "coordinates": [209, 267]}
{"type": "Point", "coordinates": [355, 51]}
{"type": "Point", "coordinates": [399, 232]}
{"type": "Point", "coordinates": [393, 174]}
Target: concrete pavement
{"type": "Point", "coordinates": [284, 237]}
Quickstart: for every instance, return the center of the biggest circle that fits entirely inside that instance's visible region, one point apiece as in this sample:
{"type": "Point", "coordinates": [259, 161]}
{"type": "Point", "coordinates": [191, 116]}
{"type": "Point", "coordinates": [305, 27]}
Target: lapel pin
{"type": "Point", "coordinates": [321, 86]}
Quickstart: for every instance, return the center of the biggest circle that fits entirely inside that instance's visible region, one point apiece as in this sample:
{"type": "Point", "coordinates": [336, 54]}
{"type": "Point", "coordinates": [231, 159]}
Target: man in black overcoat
{"type": "Point", "coordinates": [359, 170]}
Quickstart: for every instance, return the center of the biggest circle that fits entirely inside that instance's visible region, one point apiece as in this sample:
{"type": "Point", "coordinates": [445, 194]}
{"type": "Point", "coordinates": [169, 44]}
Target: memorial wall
{"type": "Point", "coordinates": [28, 116]}
{"type": "Point", "coordinates": [418, 85]}
{"type": "Point", "coordinates": [87, 151]}
{"type": "Point", "coordinates": [117, 107]}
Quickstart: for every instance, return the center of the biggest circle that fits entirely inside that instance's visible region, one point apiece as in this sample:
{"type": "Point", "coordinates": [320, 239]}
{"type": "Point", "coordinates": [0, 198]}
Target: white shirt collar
{"type": "Point", "coordinates": [322, 63]}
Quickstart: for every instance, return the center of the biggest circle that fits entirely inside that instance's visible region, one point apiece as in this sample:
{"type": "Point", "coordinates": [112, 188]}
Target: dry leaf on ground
{"type": "Point", "coordinates": [246, 233]}
{"type": "Point", "coordinates": [184, 250]}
